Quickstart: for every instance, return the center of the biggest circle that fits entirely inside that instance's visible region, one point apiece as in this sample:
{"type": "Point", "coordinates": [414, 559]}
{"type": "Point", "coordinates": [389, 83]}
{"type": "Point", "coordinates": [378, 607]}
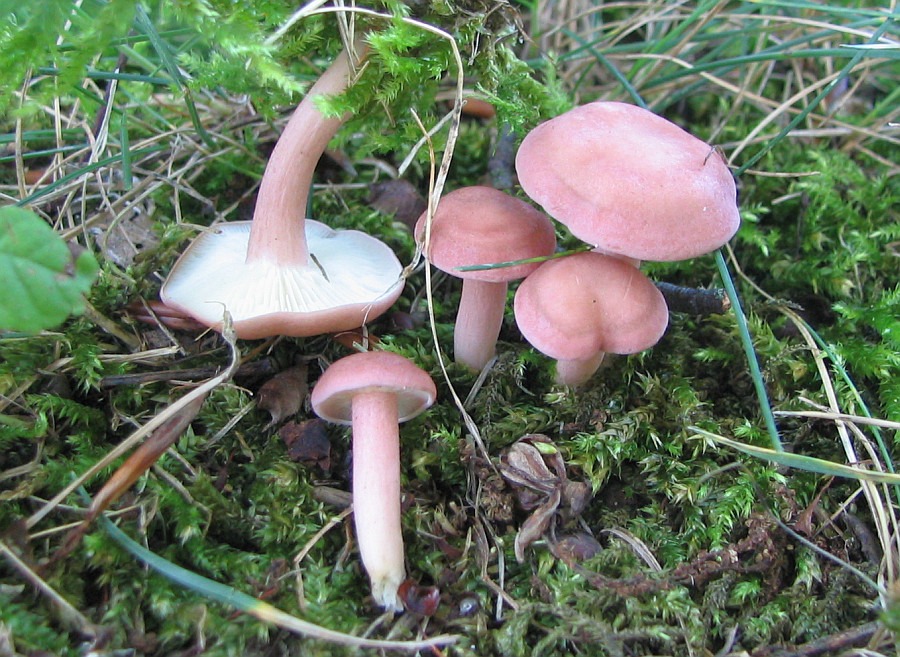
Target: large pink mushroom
{"type": "Point", "coordinates": [478, 226]}
{"type": "Point", "coordinates": [578, 308]}
{"type": "Point", "coordinates": [282, 274]}
{"type": "Point", "coordinates": [630, 182]}
{"type": "Point", "coordinates": [374, 391]}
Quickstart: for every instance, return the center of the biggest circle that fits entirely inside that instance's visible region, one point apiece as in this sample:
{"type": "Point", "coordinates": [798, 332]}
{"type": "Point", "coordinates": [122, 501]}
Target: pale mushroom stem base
{"type": "Point", "coordinates": [376, 493]}
{"type": "Point", "coordinates": [478, 321]}
{"type": "Point", "coordinates": [576, 372]}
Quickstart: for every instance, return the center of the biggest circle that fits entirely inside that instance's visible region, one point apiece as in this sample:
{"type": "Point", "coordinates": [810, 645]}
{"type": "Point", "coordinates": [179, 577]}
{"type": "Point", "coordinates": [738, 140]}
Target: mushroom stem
{"type": "Point", "coordinates": [376, 493]}
{"type": "Point", "coordinates": [478, 321]}
{"type": "Point", "coordinates": [278, 232]}
{"type": "Point", "coordinates": [576, 372]}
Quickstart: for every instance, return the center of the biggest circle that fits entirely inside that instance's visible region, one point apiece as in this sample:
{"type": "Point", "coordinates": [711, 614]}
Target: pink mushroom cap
{"type": "Point", "coordinates": [574, 307]}
{"type": "Point", "coordinates": [482, 225]}
{"type": "Point", "coordinates": [369, 371]}
{"type": "Point", "coordinates": [630, 182]}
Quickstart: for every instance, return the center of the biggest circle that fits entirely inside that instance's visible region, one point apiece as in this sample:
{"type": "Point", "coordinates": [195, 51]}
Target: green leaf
{"type": "Point", "coordinates": [41, 285]}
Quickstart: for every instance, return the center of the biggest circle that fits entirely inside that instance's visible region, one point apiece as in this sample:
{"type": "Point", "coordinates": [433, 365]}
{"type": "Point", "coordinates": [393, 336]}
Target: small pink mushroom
{"type": "Point", "coordinates": [375, 391]}
{"type": "Point", "coordinates": [480, 226]}
{"type": "Point", "coordinates": [578, 308]}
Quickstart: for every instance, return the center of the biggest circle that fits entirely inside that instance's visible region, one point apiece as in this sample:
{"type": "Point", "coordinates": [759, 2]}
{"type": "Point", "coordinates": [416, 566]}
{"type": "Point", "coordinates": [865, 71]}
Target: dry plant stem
{"type": "Point", "coordinates": [277, 231]}
{"type": "Point", "coordinates": [301, 555]}
{"type": "Point", "coordinates": [834, 643]}
{"type": "Point", "coordinates": [842, 417]}
{"type": "Point", "coordinates": [266, 367]}
{"type": "Point", "coordinates": [376, 493]}
{"type": "Point", "coordinates": [67, 611]}
{"type": "Point", "coordinates": [137, 464]}
{"type": "Point", "coordinates": [478, 321]}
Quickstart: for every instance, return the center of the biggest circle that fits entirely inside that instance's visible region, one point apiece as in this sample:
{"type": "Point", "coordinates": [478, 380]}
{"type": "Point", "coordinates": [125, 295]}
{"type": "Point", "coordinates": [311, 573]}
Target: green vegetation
{"type": "Point", "coordinates": [130, 124]}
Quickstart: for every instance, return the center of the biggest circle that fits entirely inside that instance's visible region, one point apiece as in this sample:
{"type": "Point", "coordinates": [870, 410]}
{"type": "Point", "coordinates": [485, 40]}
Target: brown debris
{"type": "Point", "coordinates": [758, 552]}
{"type": "Point", "coordinates": [574, 548]}
{"type": "Point", "coordinates": [537, 473]}
{"type": "Point", "coordinates": [283, 394]}
{"type": "Point", "coordinates": [694, 300]}
{"type": "Point", "coordinates": [307, 442]}
{"type": "Point", "coordinates": [420, 600]}
{"type": "Point", "coordinates": [839, 642]}
{"type": "Point", "coordinates": [399, 198]}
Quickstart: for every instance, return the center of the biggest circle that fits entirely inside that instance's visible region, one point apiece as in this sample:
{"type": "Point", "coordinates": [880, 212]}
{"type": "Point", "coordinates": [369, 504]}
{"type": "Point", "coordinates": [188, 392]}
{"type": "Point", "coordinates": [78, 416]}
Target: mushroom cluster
{"type": "Point", "coordinates": [635, 187]}
{"type": "Point", "coordinates": [631, 184]}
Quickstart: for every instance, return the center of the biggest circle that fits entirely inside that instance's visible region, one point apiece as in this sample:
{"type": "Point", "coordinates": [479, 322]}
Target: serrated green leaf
{"type": "Point", "coordinates": [38, 291]}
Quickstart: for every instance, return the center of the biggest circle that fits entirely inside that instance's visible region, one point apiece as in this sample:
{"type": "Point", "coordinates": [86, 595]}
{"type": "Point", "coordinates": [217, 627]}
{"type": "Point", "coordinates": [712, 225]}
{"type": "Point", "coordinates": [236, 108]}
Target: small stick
{"type": "Point", "coordinates": [501, 165]}
{"type": "Point", "coordinates": [833, 643]}
{"type": "Point", "coordinates": [264, 367]}
{"type": "Point", "coordinates": [694, 300]}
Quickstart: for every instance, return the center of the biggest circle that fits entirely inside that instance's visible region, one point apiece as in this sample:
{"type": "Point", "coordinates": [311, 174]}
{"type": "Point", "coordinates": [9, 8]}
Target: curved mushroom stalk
{"type": "Point", "coordinates": [282, 274]}
{"type": "Point", "coordinates": [277, 233]}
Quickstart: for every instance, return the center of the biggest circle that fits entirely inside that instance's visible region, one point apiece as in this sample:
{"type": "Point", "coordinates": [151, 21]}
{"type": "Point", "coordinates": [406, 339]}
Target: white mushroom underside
{"type": "Point", "coordinates": [345, 268]}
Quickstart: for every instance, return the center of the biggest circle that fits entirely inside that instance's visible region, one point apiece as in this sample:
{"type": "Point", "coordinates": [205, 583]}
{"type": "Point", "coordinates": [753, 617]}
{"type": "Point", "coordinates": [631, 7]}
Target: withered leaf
{"type": "Point", "coordinates": [537, 523]}
{"type": "Point", "coordinates": [307, 442]}
{"type": "Point", "coordinates": [574, 548]}
{"type": "Point", "coordinates": [356, 339]}
{"type": "Point", "coordinates": [283, 394]}
{"type": "Point", "coordinates": [575, 495]}
{"type": "Point", "coordinates": [399, 198]}
{"type": "Point", "coordinates": [523, 467]}
{"type": "Point", "coordinates": [127, 237]}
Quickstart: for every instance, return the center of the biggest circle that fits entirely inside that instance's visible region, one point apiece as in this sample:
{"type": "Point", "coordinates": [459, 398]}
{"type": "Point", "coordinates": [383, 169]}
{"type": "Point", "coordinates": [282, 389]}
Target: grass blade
{"type": "Point", "coordinates": [168, 60]}
{"type": "Point", "coordinates": [252, 606]}
{"type": "Point", "coordinates": [801, 462]}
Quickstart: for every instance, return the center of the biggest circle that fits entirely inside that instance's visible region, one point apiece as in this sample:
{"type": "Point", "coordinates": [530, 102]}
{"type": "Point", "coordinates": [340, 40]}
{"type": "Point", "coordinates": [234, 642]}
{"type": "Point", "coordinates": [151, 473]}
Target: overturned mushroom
{"type": "Point", "coordinates": [282, 274]}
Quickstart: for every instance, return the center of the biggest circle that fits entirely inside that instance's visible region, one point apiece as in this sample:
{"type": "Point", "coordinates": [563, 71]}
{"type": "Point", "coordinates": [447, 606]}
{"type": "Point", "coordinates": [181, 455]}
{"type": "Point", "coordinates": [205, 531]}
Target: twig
{"type": "Point", "coordinates": [260, 368]}
{"type": "Point", "coordinates": [694, 300]}
{"type": "Point", "coordinates": [836, 642]}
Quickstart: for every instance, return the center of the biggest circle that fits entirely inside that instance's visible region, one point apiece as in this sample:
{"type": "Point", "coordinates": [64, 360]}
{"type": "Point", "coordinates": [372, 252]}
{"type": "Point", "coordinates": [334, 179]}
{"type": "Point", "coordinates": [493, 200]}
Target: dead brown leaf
{"type": "Point", "coordinates": [307, 442]}
{"type": "Point", "coordinates": [399, 198]}
{"type": "Point", "coordinates": [536, 471]}
{"type": "Point", "coordinates": [283, 394]}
